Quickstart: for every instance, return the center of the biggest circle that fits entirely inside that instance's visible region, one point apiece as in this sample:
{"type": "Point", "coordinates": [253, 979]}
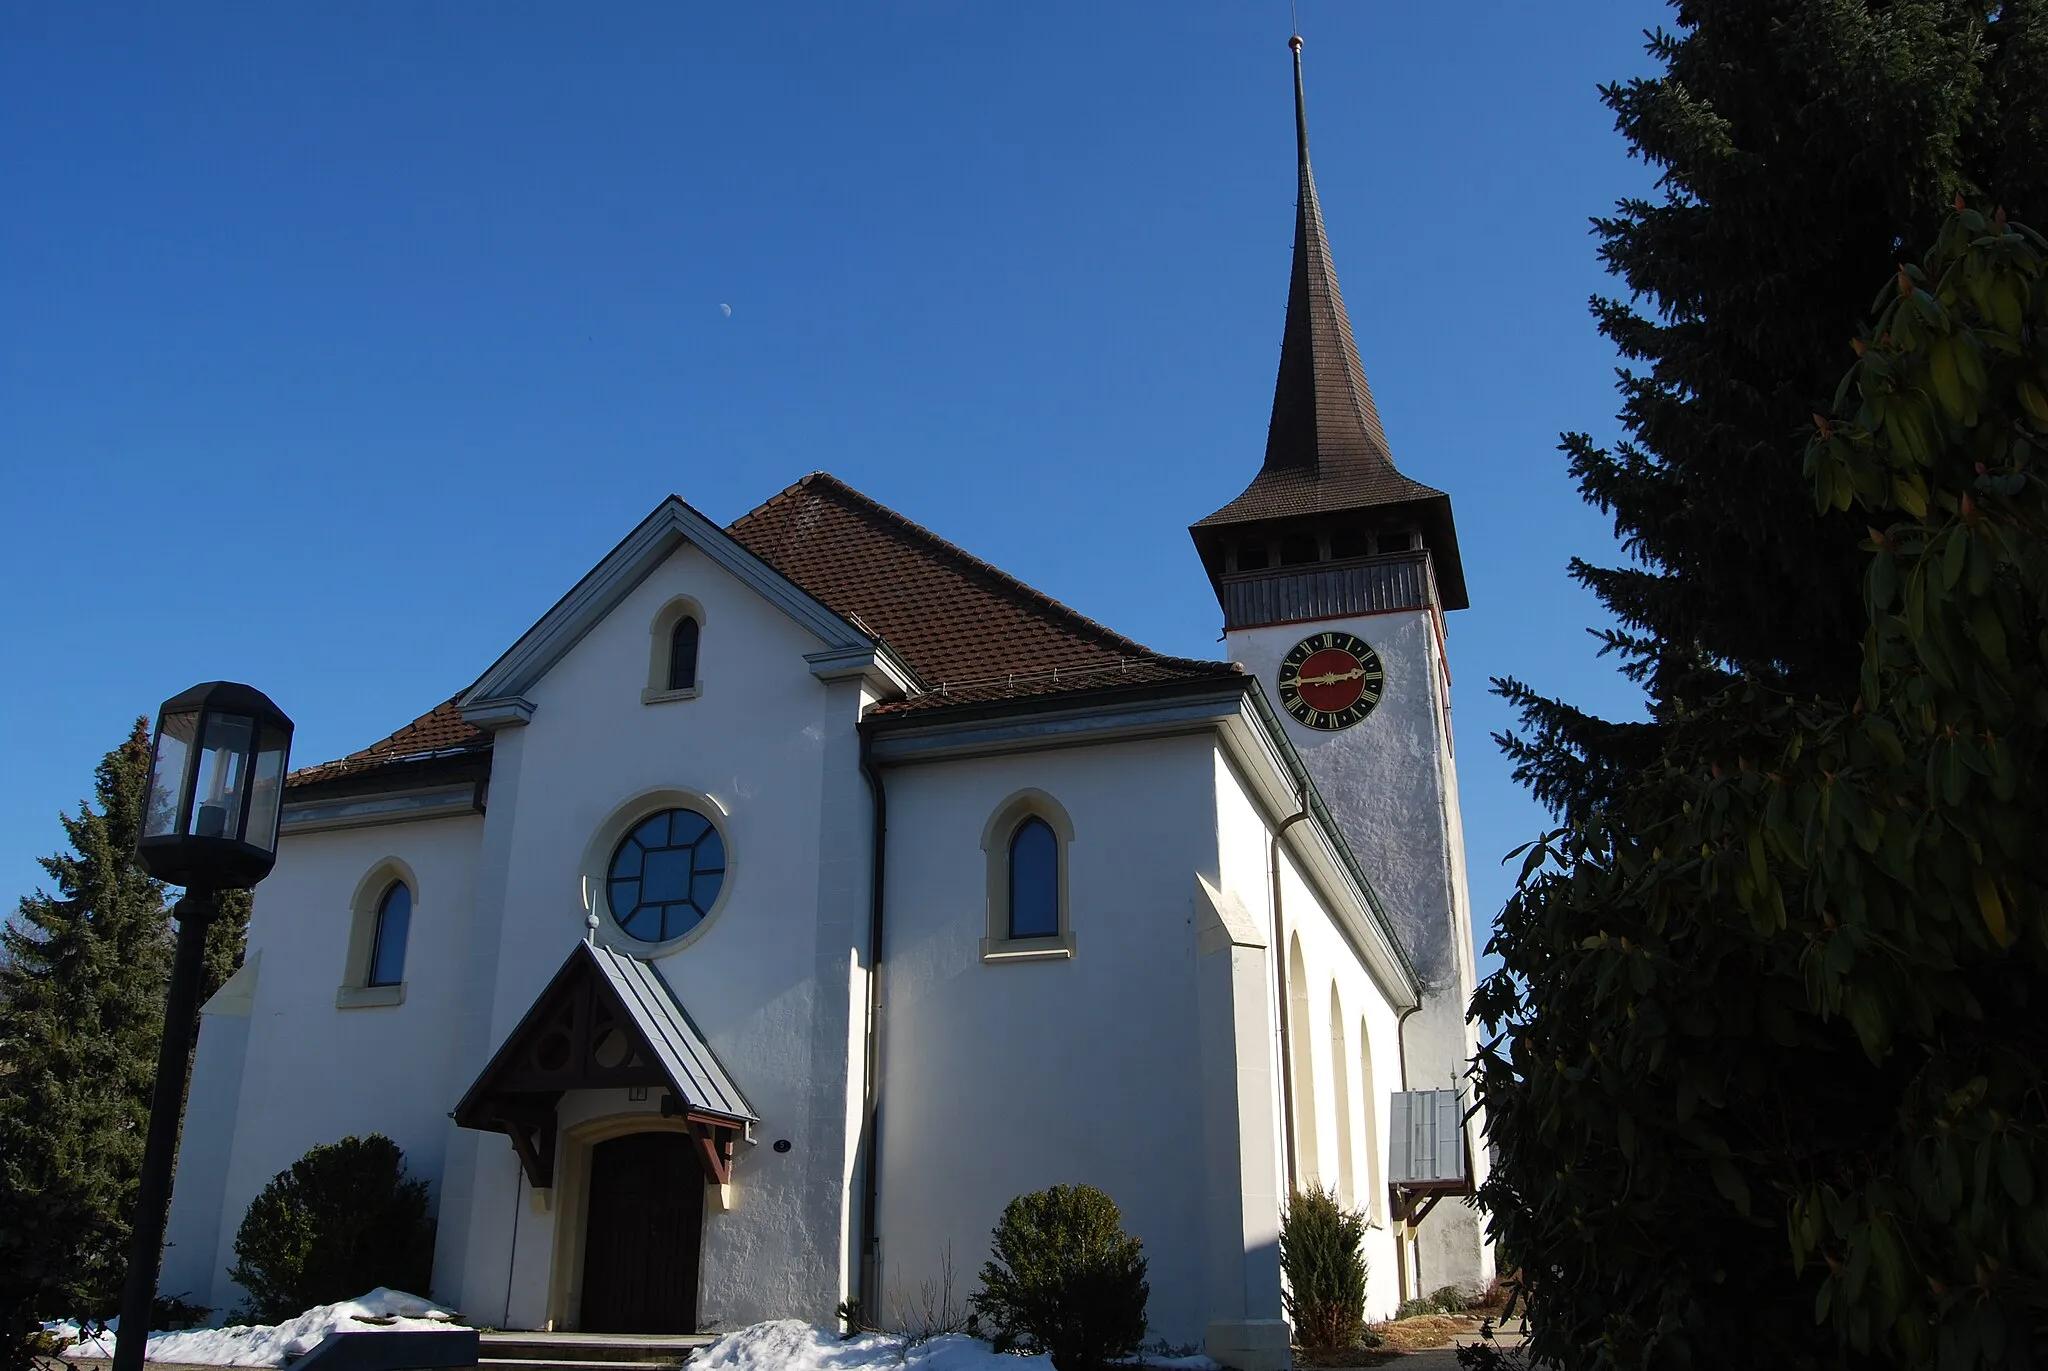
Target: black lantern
{"type": "Point", "coordinates": [216, 790]}
{"type": "Point", "coordinates": [216, 785]}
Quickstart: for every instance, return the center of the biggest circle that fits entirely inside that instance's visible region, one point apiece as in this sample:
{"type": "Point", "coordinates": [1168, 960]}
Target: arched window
{"type": "Point", "coordinates": [1340, 1101]}
{"type": "Point", "coordinates": [380, 924]}
{"type": "Point", "coordinates": [1034, 880]}
{"type": "Point", "coordinates": [1373, 1142]}
{"type": "Point", "coordinates": [1027, 842]}
{"type": "Point", "coordinates": [387, 946]}
{"type": "Point", "coordinates": [1302, 1067]}
{"type": "Point", "coordinates": [674, 638]}
{"type": "Point", "coordinates": [682, 654]}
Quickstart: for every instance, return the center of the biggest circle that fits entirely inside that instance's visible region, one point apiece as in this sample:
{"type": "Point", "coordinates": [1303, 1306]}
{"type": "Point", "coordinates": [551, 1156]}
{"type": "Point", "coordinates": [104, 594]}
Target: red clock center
{"type": "Point", "coordinates": [1331, 680]}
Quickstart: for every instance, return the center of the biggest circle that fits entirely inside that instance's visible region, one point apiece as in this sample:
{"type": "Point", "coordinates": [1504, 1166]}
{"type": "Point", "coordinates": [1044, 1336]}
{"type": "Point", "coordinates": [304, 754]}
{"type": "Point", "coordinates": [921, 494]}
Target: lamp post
{"type": "Point", "coordinates": [216, 788]}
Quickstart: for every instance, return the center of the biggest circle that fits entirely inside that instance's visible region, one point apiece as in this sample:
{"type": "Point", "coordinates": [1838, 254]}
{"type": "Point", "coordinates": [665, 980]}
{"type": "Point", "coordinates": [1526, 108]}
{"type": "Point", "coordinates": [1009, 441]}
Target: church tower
{"type": "Point", "coordinates": [1335, 572]}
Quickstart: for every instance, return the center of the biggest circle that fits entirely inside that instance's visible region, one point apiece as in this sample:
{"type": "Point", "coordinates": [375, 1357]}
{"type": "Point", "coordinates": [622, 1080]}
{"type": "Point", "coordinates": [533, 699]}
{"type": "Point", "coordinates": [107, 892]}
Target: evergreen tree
{"type": "Point", "coordinates": [1774, 1085]}
{"type": "Point", "coordinates": [82, 985]}
{"type": "Point", "coordinates": [1805, 147]}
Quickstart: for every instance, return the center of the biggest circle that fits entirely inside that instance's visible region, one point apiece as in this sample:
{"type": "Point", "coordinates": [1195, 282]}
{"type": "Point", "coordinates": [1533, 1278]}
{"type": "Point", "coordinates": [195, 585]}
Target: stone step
{"type": "Point", "coordinates": [576, 1363]}
{"type": "Point", "coordinates": [510, 1351]}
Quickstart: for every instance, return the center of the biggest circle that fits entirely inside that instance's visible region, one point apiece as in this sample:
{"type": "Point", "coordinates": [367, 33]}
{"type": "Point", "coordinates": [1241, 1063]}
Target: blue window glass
{"type": "Point", "coordinates": [387, 949]}
{"type": "Point", "coordinates": [682, 654]}
{"type": "Point", "coordinates": [665, 875]}
{"type": "Point", "coordinates": [1034, 881]}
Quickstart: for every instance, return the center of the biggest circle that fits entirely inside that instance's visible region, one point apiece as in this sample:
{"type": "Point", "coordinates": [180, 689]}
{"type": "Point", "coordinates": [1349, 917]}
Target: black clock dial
{"type": "Point", "coordinates": [1331, 680]}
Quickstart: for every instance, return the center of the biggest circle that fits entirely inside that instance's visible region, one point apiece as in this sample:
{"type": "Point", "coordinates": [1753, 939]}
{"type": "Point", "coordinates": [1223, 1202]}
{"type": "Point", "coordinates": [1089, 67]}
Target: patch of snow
{"type": "Point", "coordinates": [792, 1345]}
{"type": "Point", "coordinates": [275, 1344]}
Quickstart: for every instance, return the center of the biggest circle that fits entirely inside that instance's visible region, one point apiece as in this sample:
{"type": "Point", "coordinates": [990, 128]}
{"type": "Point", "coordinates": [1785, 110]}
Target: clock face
{"type": "Point", "coordinates": [1331, 681]}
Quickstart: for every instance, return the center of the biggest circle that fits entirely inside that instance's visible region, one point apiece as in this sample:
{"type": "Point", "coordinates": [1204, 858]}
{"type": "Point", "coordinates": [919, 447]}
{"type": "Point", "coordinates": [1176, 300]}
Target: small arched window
{"type": "Point", "coordinates": [387, 946]}
{"type": "Point", "coordinates": [673, 640]}
{"type": "Point", "coordinates": [682, 654]}
{"type": "Point", "coordinates": [1027, 843]}
{"type": "Point", "coordinates": [1034, 880]}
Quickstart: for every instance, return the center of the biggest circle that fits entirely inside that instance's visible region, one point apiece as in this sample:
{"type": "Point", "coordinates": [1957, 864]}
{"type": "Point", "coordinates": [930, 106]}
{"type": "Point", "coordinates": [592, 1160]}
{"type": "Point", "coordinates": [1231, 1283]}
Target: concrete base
{"type": "Point", "coordinates": [1251, 1344]}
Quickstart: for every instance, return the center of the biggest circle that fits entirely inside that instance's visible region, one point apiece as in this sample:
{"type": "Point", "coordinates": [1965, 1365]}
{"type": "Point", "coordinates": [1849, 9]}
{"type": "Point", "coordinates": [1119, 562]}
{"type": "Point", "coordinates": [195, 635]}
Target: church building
{"type": "Point", "coordinates": [797, 892]}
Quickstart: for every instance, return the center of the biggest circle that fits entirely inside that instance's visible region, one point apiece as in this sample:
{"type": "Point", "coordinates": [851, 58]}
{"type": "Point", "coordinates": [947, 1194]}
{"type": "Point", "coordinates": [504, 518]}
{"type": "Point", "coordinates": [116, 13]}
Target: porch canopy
{"type": "Point", "coordinates": [605, 1021]}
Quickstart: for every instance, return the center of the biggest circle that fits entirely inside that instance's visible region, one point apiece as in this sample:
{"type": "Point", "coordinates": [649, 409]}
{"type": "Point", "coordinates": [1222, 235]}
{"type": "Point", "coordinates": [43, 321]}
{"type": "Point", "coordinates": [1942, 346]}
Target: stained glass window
{"type": "Point", "coordinates": [387, 949]}
{"type": "Point", "coordinates": [666, 875]}
{"type": "Point", "coordinates": [1034, 881]}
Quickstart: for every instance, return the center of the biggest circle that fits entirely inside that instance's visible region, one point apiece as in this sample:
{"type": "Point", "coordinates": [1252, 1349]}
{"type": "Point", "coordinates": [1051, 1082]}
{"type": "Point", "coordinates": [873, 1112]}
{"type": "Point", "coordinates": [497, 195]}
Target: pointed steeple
{"type": "Point", "coordinates": [1326, 453]}
{"type": "Point", "coordinates": [1323, 414]}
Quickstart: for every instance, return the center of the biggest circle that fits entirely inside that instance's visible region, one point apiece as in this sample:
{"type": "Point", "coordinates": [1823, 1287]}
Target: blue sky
{"type": "Point", "coordinates": [337, 341]}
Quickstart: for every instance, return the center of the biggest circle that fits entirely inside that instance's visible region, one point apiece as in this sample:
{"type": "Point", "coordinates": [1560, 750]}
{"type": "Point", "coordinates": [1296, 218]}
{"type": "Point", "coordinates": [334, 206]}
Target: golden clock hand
{"type": "Point", "coordinates": [1332, 677]}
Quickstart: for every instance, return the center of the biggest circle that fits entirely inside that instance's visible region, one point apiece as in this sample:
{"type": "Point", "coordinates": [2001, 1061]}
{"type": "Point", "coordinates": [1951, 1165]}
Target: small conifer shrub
{"type": "Point", "coordinates": [340, 1221]}
{"type": "Point", "coordinates": [1064, 1278]}
{"type": "Point", "coordinates": [1322, 1257]}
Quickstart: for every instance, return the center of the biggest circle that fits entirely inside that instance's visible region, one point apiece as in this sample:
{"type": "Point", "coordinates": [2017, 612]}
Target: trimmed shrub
{"type": "Point", "coordinates": [1322, 1256]}
{"type": "Point", "coordinates": [1450, 1299]}
{"type": "Point", "coordinates": [1064, 1278]}
{"type": "Point", "coordinates": [1414, 1309]}
{"type": "Point", "coordinates": [341, 1220]}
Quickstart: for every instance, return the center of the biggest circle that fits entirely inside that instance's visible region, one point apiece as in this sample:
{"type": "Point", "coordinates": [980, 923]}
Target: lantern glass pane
{"type": "Point", "coordinates": [167, 773]}
{"type": "Point", "coordinates": [224, 754]}
{"type": "Point", "coordinates": [266, 787]}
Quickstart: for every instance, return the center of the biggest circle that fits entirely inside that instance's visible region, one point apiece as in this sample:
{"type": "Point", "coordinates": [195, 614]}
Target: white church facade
{"type": "Point", "coordinates": [795, 893]}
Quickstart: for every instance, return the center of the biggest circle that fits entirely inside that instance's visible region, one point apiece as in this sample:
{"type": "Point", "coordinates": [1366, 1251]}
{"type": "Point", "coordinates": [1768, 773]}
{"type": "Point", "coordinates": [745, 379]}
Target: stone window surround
{"type": "Point", "coordinates": [662, 631]}
{"type": "Point", "coordinates": [998, 945]}
{"type": "Point", "coordinates": [596, 865]}
{"type": "Point", "coordinates": [355, 991]}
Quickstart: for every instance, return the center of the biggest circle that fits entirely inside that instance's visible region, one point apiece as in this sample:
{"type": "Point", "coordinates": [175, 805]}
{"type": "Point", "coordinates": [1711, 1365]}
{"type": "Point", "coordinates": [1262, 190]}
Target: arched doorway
{"type": "Point", "coordinates": [643, 1233]}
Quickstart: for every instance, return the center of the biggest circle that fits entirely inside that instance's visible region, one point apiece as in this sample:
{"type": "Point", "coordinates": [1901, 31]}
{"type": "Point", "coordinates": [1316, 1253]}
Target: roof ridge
{"type": "Point", "coordinates": [952, 551]}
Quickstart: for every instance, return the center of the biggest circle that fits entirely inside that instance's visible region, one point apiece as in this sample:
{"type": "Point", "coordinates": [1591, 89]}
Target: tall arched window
{"type": "Point", "coordinates": [1301, 1048]}
{"type": "Point", "coordinates": [387, 946]}
{"type": "Point", "coordinates": [1034, 880]}
{"type": "Point", "coordinates": [1373, 1142]}
{"type": "Point", "coordinates": [1340, 1101]}
{"type": "Point", "coordinates": [682, 654]}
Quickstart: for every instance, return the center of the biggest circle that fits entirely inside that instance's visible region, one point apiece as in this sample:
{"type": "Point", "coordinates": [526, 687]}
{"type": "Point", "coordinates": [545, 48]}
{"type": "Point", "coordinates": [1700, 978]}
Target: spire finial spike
{"type": "Point", "coordinates": [1300, 106]}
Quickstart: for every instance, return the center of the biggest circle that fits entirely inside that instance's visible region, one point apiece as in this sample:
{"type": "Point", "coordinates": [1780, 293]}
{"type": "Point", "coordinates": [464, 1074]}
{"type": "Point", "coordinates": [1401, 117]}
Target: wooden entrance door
{"type": "Point", "coordinates": [644, 1228]}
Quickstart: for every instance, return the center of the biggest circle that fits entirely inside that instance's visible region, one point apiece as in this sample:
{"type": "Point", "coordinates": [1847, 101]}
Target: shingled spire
{"type": "Point", "coordinates": [1326, 453]}
{"type": "Point", "coordinates": [1323, 414]}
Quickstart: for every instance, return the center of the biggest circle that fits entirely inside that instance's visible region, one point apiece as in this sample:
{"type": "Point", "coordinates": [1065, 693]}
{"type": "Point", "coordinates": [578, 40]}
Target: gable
{"type": "Point", "coordinates": [888, 598]}
{"type": "Point", "coordinates": [499, 697]}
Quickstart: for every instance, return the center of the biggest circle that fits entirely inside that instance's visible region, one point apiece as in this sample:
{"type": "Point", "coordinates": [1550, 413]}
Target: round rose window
{"type": "Point", "coordinates": [666, 875]}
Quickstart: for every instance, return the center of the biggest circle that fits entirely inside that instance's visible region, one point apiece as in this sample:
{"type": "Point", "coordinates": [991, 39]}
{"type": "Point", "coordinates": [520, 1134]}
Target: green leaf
{"type": "Point", "coordinates": [2013, 1171]}
{"type": "Point", "coordinates": [1729, 1182]}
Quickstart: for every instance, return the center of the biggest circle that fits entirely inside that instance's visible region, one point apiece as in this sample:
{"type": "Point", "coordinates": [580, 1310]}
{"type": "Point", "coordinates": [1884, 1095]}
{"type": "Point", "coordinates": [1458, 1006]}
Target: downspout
{"type": "Point", "coordinates": [1280, 985]}
{"type": "Point", "coordinates": [868, 1288]}
{"type": "Point", "coordinates": [1401, 1039]}
{"type": "Point", "coordinates": [1407, 1246]}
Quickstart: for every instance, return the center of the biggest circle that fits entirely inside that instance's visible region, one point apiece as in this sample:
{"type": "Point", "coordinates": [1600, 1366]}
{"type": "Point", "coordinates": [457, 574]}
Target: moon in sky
{"type": "Point", "coordinates": [725, 309]}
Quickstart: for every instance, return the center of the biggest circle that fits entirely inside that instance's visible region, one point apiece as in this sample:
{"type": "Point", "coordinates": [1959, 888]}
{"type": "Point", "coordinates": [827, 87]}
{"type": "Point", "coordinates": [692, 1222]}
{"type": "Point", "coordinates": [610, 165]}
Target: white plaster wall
{"type": "Point", "coordinates": [313, 1073]}
{"type": "Point", "coordinates": [771, 1000]}
{"type": "Point", "coordinates": [1329, 958]}
{"type": "Point", "coordinates": [192, 1235]}
{"type": "Point", "coordinates": [1006, 1078]}
{"type": "Point", "coordinates": [1391, 783]}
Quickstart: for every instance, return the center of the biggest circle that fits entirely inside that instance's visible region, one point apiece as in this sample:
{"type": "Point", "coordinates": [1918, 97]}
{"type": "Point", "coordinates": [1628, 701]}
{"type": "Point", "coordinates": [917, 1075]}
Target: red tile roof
{"type": "Point", "coordinates": [440, 732]}
{"type": "Point", "coordinates": [971, 632]}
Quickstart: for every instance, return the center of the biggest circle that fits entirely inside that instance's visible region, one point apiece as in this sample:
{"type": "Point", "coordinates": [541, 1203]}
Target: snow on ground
{"type": "Point", "coordinates": [792, 1345]}
{"type": "Point", "coordinates": [271, 1344]}
{"type": "Point", "coordinates": [781, 1345]}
